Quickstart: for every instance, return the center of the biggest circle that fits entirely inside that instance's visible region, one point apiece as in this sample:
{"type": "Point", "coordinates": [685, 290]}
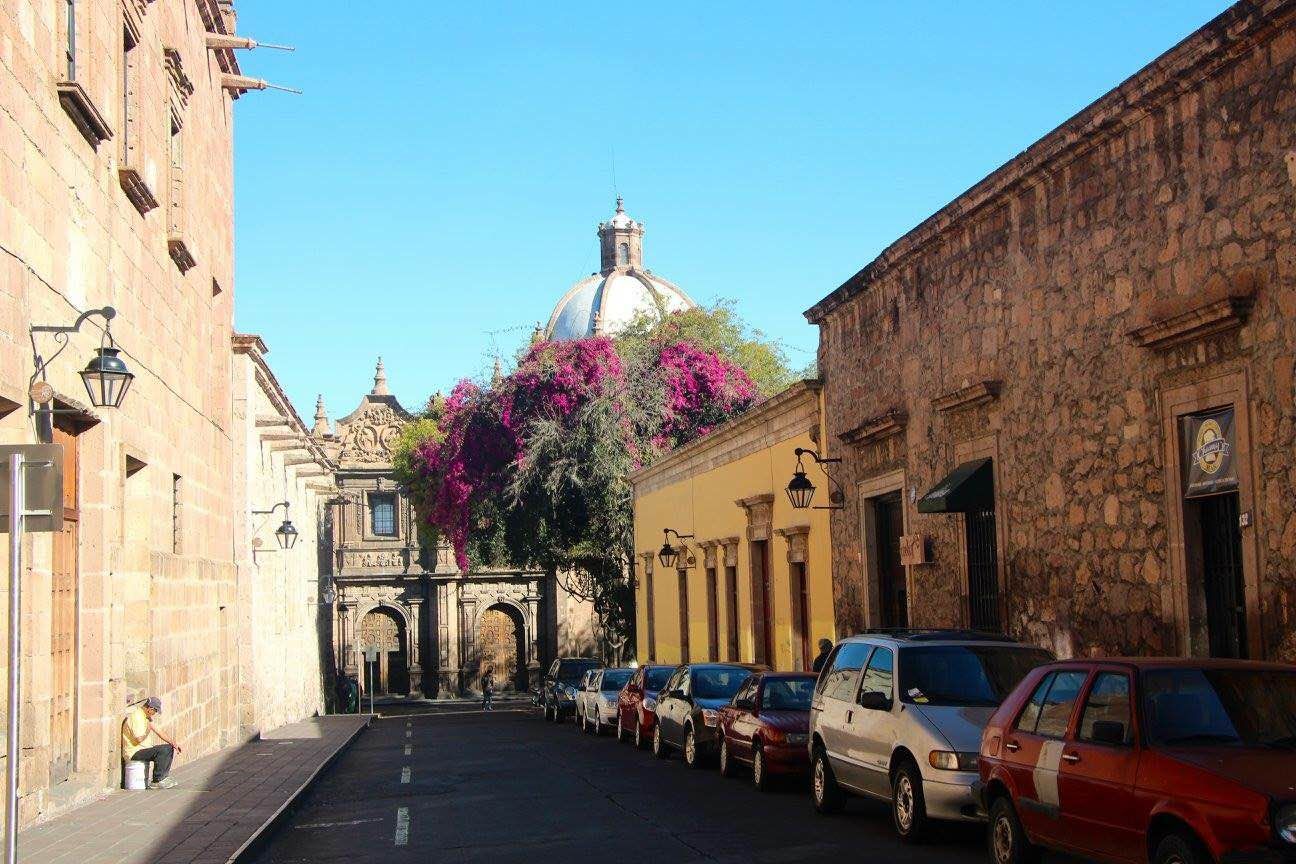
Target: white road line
{"type": "Point", "coordinates": [402, 826]}
{"type": "Point", "coordinates": [476, 711]}
{"type": "Point", "coordinates": [340, 824]}
{"type": "Point", "coordinates": [408, 749]}
{"type": "Point", "coordinates": [405, 774]}
{"type": "Point", "coordinates": [408, 733]}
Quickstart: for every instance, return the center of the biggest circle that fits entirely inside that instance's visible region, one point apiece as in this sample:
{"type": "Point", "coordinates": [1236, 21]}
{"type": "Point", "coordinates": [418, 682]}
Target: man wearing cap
{"type": "Point", "coordinates": [139, 742]}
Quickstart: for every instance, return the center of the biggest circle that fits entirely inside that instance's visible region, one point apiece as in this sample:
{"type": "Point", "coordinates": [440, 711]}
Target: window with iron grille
{"type": "Point", "coordinates": [983, 570]}
{"type": "Point", "coordinates": [382, 514]}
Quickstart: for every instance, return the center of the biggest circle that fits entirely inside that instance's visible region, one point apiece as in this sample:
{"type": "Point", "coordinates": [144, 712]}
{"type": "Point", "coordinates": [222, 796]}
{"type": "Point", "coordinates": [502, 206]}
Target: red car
{"type": "Point", "coordinates": [637, 704]}
{"type": "Point", "coordinates": [767, 725]}
{"type": "Point", "coordinates": [1161, 760]}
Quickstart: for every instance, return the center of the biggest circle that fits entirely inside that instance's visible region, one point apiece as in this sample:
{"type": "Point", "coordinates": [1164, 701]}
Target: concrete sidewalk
{"type": "Point", "coordinates": [224, 804]}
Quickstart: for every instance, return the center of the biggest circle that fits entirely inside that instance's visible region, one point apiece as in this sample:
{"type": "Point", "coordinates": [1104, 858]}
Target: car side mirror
{"type": "Point", "coordinates": [872, 701]}
{"type": "Point", "coordinates": [1108, 732]}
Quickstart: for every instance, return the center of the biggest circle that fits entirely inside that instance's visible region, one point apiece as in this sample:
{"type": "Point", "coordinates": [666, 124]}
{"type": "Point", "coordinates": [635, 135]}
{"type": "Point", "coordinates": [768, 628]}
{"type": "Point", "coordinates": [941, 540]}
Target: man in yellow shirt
{"type": "Point", "coordinates": [139, 742]}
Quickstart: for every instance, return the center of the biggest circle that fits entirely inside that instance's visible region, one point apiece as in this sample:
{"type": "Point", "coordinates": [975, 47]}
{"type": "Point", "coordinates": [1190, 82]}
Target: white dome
{"type": "Point", "coordinates": [602, 305]}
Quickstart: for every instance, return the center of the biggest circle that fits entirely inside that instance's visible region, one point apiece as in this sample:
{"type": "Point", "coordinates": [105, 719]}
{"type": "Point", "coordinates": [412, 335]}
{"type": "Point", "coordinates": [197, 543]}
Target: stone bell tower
{"type": "Point", "coordinates": [620, 242]}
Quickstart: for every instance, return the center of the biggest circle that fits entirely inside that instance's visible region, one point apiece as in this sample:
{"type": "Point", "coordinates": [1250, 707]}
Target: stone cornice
{"type": "Point", "coordinates": [717, 446]}
{"type": "Point", "coordinates": [1226, 314]}
{"type": "Point", "coordinates": [875, 429]}
{"type": "Point", "coordinates": [967, 397]}
{"type": "Point", "coordinates": [254, 348]}
{"type": "Point", "coordinates": [1181, 69]}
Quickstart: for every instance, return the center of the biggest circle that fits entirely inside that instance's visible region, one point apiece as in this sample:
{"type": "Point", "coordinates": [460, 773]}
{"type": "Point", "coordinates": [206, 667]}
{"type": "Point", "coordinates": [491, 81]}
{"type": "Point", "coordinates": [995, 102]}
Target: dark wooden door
{"type": "Point", "coordinates": [1221, 541]}
{"type": "Point", "coordinates": [762, 617]}
{"type": "Point", "coordinates": [63, 619]}
{"type": "Point", "coordinates": [888, 519]}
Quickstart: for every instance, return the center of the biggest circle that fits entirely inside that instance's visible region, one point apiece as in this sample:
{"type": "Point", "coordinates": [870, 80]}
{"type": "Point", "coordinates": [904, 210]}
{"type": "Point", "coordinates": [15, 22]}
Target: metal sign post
{"type": "Point", "coordinates": [47, 515]}
{"type": "Point", "coordinates": [371, 660]}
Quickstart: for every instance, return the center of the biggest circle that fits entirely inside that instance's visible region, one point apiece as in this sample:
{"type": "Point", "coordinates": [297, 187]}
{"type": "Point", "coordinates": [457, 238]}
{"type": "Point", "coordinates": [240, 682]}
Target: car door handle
{"type": "Point", "coordinates": [1072, 758]}
{"type": "Point", "coordinates": [849, 715]}
{"type": "Point", "coordinates": [1012, 746]}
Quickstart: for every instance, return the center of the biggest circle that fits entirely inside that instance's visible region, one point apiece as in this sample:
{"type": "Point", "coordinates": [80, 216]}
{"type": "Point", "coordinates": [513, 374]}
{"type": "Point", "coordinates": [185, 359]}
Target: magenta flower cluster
{"type": "Point", "coordinates": [486, 431]}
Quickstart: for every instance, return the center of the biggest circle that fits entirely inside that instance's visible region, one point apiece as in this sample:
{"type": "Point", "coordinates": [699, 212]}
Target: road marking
{"type": "Point", "coordinates": [408, 733]}
{"type": "Point", "coordinates": [339, 824]}
{"type": "Point", "coordinates": [402, 826]}
{"type": "Point", "coordinates": [405, 774]}
{"type": "Point", "coordinates": [408, 749]}
{"type": "Point", "coordinates": [477, 711]}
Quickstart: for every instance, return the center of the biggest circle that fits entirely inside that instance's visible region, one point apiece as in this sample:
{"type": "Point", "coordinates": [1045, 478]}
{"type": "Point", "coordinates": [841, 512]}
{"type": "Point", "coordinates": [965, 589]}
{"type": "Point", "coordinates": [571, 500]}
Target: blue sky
{"type": "Point", "coordinates": [437, 187]}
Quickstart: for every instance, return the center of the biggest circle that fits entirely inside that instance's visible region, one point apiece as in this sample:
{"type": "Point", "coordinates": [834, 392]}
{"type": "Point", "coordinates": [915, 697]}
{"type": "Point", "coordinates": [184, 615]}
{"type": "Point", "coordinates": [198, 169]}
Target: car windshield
{"type": "Point", "coordinates": [657, 678]}
{"type": "Point", "coordinates": [1213, 707]}
{"type": "Point", "coordinates": [571, 673]}
{"type": "Point", "coordinates": [615, 679]}
{"type": "Point", "coordinates": [788, 694]}
{"type": "Point", "coordinates": [965, 674]}
{"type": "Point", "coordinates": [718, 683]}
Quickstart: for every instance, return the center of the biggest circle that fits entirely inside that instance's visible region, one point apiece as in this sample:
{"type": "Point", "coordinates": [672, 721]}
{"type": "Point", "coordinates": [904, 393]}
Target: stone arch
{"type": "Point", "coordinates": [501, 640]}
{"type": "Point", "coordinates": [390, 625]}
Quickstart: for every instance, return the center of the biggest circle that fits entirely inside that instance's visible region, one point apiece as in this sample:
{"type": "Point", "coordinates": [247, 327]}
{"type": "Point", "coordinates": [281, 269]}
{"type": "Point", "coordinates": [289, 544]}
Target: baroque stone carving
{"type": "Point", "coordinates": [371, 436]}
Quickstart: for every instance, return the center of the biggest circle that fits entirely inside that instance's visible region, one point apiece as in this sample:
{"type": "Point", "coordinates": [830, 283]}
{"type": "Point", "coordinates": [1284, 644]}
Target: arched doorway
{"type": "Point", "coordinates": [385, 630]}
{"type": "Point", "coordinates": [500, 638]}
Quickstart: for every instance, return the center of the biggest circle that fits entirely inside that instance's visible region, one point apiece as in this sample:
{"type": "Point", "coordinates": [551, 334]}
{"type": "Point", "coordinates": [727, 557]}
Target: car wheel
{"type": "Point", "coordinates": [598, 726]}
{"type": "Point", "coordinates": [760, 776]}
{"type": "Point", "coordinates": [691, 756]}
{"type": "Point", "coordinates": [621, 733]}
{"type": "Point", "coordinates": [828, 796]}
{"type": "Point", "coordinates": [584, 723]}
{"type": "Point", "coordinates": [548, 713]}
{"type": "Point", "coordinates": [638, 736]}
{"type": "Point", "coordinates": [1177, 848]}
{"type": "Point", "coordinates": [1006, 837]}
{"type": "Point", "coordinates": [658, 745]}
{"type": "Point", "coordinates": [908, 809]}
{"type": "Point", "coordinates": [727, 766]}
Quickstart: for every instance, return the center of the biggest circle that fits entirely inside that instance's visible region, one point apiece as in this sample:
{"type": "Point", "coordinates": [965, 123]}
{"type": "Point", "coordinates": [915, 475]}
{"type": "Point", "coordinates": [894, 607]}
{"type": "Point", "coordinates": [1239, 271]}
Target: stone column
{"type": "Point", "coordinates": [346, 654]}
{"type": "Point", "coordinates": [412, 640]}
{"type": "Point", "coordinates": [532, 600]}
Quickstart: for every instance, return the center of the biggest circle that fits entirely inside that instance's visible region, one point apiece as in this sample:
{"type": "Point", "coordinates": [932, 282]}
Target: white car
{"type": "Point", "coordinates": [582, 695]}
{"type": "Point", "coordinates": [598, 710]}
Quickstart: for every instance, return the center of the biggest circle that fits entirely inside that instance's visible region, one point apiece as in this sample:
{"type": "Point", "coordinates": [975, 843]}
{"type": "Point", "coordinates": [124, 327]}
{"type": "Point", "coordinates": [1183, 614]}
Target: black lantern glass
{"type": "Point", "coordinates": [668, 556]}
{"type": "Point", "coordinates": [800, 490]}
{"type": "Point", "coordinates": [106, 378]}
{"type": "Point", "coordinates": [286, 534]}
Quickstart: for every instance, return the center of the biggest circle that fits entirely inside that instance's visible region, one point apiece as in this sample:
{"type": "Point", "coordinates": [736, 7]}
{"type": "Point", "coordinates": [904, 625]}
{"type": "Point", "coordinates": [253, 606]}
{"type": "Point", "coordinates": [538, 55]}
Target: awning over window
{"type": "Point", "coordinates": [968, 487]}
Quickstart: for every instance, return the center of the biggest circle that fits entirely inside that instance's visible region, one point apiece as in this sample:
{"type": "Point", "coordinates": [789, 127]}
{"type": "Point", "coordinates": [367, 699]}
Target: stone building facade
{"type": "Point", "coordinates": [436, 628]}
{"type": "Point", "coordinates": [754, 581]}
{"type": "Point", "coordinates": [108, 111]}
{"type": "Point", "coordinates": [1086, 362]}
{"type": "Point", "coordinates": [283, 476]}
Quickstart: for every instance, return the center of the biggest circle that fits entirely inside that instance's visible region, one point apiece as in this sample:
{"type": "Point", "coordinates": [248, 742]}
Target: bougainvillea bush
{"type": "Point", "coordinates": [533, 469]}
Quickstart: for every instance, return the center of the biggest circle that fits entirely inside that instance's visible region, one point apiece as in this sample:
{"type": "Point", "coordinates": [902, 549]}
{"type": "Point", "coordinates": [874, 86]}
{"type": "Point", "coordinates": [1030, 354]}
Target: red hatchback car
{"type": "Point", "coordinates": [767, 726]}
{"type": "Point", "coordinates": [637, 704]}
{"type": "Point", "coordinates": [1161, 760]}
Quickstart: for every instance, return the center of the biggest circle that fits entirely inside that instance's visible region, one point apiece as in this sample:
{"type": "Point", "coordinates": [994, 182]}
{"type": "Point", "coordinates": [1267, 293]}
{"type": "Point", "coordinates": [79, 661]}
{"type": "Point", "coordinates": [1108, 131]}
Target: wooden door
{"type": "Point", "coordinates": [888, 514]}
{"type": "Point", "coordinates": [762, 614]}
{"type": "Point", "coordinates": [63, 625]}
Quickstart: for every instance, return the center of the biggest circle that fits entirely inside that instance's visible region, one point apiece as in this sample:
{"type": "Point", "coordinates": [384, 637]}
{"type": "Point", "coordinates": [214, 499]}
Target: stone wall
{"type": "Point", "coordinates": [1138, 258]}
{"type": "Point", "coordinates": [147, 597]}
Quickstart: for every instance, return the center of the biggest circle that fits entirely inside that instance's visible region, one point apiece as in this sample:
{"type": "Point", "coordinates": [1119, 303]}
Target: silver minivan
{"type": "Point", "coordinates": [897, 715]}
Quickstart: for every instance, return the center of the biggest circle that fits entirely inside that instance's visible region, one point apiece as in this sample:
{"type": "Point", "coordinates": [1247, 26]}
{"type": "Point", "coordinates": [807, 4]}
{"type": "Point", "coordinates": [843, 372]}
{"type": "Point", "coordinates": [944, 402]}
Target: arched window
{"type": "Point", "coordinates": [623, 254]}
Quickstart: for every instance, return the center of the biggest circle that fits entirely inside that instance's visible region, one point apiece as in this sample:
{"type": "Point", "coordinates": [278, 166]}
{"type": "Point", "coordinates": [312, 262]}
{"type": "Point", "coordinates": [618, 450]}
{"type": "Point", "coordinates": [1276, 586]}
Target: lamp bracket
{"type": "Point", "coordinates": [283, 504]}
{"type": "Point", "coordinates": [62, 335]}
{"type": "Point", "coordinates": [836, 495]}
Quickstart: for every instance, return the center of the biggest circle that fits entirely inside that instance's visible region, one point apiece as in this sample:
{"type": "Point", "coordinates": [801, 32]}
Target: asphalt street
{"type": "Point", "coordinates": [456, 785]}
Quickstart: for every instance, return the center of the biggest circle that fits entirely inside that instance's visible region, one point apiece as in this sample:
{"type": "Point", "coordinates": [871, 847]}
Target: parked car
{"type": "Point", "coordinates": [1166, 761]}
{"type": "Point", "coordinates": [637, 704]}
{"type": "Point", "coordinates": [688, 709]}
{"type": "Point", "coordinates": [897, 716]}
{"type": "Point", "coordinates": [561, 684]}
{"type": "Point", "coordinates": [767, 726]}
{"type": "Point", "coordinates": [583, 695]}
{"type": "Point", "coordinates": [599, 709]}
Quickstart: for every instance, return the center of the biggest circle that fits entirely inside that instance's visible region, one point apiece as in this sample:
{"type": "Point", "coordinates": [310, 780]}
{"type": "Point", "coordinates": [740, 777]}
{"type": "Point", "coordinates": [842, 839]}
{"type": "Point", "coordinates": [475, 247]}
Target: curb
{"type": "Point", "coordinates": [254, 844]}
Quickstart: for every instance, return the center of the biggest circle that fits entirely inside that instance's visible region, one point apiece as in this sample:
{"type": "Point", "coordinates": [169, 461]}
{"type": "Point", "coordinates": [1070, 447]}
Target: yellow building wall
{"type": "Point", "coordinates": [705, 505]}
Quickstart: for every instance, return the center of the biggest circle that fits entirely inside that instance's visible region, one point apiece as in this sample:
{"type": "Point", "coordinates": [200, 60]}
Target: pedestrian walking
{"type": "Point", "coordinates": [488, 691]}
{"type": "Point", "coordinates": [825, 646]}
{"type": "Point", "coordinates": [141, 741]}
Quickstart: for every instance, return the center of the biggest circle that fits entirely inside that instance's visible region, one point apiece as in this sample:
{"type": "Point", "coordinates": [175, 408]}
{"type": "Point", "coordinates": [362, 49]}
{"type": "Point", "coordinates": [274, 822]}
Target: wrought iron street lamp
{"type": "Point", "coordinates": [106, 376]}
{"type": "Point", "coordinates": [800, 489]}
{"type": "Point", "coordinates": [286, 533]}
{"type": "Point", "coordinates": [669, 555]}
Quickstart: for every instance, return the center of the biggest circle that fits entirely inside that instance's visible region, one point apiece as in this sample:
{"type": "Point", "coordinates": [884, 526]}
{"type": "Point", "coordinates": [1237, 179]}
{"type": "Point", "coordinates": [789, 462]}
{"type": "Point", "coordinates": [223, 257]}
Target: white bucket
{"type": "Point", "coordinates": [134, 775]}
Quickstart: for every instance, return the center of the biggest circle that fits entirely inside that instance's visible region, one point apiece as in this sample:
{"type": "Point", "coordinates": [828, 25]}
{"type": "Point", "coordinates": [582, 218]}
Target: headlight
{"type": "Point", "coordinates": [650, 704]}
{"type": "Point", "coordinates": [709, 717]}
{"type": "Point", "coordinates": [1285, 823]}
{"type": "Point", "coordinates": [946, 760]}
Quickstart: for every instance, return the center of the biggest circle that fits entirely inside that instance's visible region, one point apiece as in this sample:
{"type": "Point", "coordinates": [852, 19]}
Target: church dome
{"type": "Point", "coordinates": [603, 303]}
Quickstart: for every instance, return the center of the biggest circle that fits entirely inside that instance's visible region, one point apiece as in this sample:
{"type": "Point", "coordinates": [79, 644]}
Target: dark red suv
{"type": "Point", "coordinates": [1160, 760]}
